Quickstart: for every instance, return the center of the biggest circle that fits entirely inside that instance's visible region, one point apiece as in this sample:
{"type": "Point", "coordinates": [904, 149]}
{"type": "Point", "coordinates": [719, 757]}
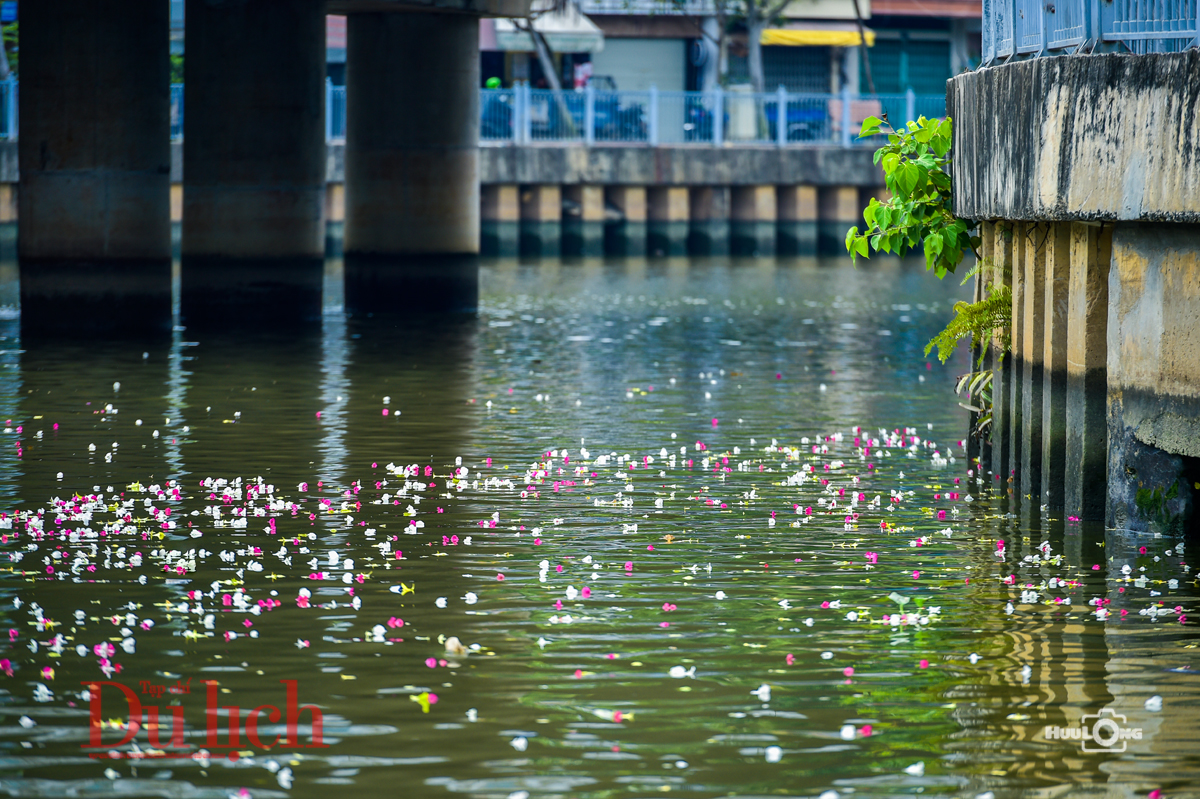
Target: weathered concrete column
{"type": "Point", "coordinates": [708, 220]}
{"type": "Point", "coordinates": [1029, 473]}
{"type": "Point", "coordinates": [752, 226]}
{"type": "Point", "coordinates": [1016, 382]}
{"type": "Point", "coordinates": [1154, 378]}
{"type": "Point", "coordinates": [412, 161]}
{"type": "Point", "coordinates": [668, 220]}
{"type": "Point", "coordinates": [1087, 377]}
{"type": "Point", "coordinates": [541, 220]}
{"type": "Point", "coordinates": [1002, 366]}
{"type": "Point", "coordinates": [979, 453]}
{"type": "Point", "coordinates": [838, 211]}
{"type": "Point", "coordinates": [499, 219]}
{"type": "Point", "coordinates": [94, 151]}
{"type": "Point", "coordinates": [797, 209]}
{"type": "Point", "coordinates": [583, 220]}
{"type": "Point", "coordinates": [254, 164]}
{"type": "Point", "coordinates": [626, 235]}
{"type": "Point", "coordinates": [1055, 307]}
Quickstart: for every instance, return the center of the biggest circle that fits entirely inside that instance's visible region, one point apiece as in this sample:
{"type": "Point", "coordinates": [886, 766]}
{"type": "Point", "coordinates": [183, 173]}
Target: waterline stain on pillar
{"type": "Point", "coordinates": [708, 220]}
{"type": "Point", "coordinates": [1032, 353]}
{"type": "Point", "coordinates": [499, 219]}
{"type": "Point", "coordinates": [797, 210]}
{"type": "Point", "coordinates": [667, 228]}
{"type": "Point", "coordinates": [752, 225]}
{"type": "Point", "coordinates": [1055, 308]}
{"type": "Point", "coordinates": [253, 241]}
{"type": "Point", "coordinates": [412, 162]}
{"type": "Point", "coordinates": [1001, 365]}
{"type": "Point", "coordinates": [94, 153]}
{"type": "Point", "coordinates": [625, 228]}
{"type": "Point", "coordinates": [1153, 377]}
{"type": "Point", "coordinates": [541, 220]}
{"type": "Point", "coordinates": [1087, 378]}
{"type": "Point", "coordinates": [583, 220]}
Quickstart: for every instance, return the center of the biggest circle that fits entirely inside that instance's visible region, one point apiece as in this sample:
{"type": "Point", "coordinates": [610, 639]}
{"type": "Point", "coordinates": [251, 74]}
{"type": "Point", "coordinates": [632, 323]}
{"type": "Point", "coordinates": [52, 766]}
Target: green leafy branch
{"type": "Point", "coordinates": [916, 167]}
{"type": "Point", "coordinates": [977, 321]}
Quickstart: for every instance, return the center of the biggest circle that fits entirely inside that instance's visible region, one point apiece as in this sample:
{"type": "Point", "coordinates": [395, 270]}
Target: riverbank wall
{"type": "Point", "coordinates": [629, 200]}
{"type": "Point", "coordinates": [1085, 172]}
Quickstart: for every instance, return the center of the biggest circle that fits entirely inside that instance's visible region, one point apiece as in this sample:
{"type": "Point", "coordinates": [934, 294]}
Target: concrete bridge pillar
{"type": "Point", "coordinates": [1054, 364]}
{"type": "Point", "coordinates": [752, 231]}
{"type": "Point", "coordinates": [94, 153]}
{"type": "Point", "coordinates": [254, 161]}
{"type": "Point", "coordinates": [1016, 382]}
{"type": "Point", "coordinates": [500, 219]}
{"type": "Point", "coordinates": [668, 227]}
{"type": "Point", "coordinates": [708, 214]}
{"type": "Point", "coordinates": [838, 211]}
{"type": "Point", "coordinates": [583, 220]}
{"type": "Point", "coordinates": [1029, 472]}
{"type": "Point", "coordinates": [1087, 371]}
{"type": "Point", "coordinates": [541, 220]}
{"type": "Point", "coordinates": [412, 160]}
{"type": "Point", "coordinates": [1002, 364]}
{"type": "Point", "coordinates": [797, 207]}
{"type": "Point", "coordinates": [628, 235]}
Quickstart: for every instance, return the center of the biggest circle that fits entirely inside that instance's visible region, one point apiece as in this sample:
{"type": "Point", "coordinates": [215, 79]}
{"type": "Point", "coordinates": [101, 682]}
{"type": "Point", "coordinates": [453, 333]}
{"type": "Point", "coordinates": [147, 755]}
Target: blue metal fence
{"type": "Point", "coordinates": [522, 115]}
{"type": "Point", "coordinates": [1030, 28]}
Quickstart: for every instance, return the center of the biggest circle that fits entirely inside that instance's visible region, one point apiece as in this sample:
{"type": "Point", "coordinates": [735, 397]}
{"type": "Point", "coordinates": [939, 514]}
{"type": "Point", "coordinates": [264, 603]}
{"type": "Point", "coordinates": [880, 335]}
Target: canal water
{"type": "Point", "coordinates": [702, 528]}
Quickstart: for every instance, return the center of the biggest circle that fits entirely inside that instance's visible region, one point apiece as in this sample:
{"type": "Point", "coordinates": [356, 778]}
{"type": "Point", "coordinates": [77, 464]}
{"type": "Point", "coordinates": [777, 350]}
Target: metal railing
{"type": "Point", "coordinates": [8, 108]}
{"type": "Point", "coordinates": [697, 8]}
{"type": "Point", "coordinates": [1031, 28]}
{"type": "Point", "coordinates": [522, 115]}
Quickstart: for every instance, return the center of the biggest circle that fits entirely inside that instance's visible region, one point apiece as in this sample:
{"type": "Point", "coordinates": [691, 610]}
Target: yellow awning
{"type": "Point", "coordinates": [789, 37]}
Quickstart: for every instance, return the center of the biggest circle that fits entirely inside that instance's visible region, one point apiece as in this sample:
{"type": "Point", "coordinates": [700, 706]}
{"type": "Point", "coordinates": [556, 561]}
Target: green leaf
{"type": "Point", "coordinates": [889, 163]}
{"type": "Point", "coordinates": [907, 177]}
{"type": "Point", "coordinates": [869, 211]}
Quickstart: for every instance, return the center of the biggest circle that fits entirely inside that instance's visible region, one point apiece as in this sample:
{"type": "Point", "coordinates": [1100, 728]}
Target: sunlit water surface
{"type": "Point", "coordinates": [655, 432]}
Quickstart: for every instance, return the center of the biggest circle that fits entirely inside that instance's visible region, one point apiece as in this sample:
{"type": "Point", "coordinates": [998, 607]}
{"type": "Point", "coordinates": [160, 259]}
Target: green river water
{"type": "Point", "coordinates": [705, 527]}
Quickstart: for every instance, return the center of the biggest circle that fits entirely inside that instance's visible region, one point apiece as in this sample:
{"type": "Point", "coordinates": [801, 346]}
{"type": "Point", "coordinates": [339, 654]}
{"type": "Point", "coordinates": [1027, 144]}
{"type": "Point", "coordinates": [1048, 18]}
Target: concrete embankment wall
{"type": "Point", "coordinates": [547, 199]}
{"type": "Point", "coordinates": [1086, 173]}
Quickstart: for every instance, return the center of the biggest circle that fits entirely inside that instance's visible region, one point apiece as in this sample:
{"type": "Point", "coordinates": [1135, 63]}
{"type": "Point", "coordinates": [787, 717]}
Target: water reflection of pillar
{"type": "Point", "coordinates": [252, 407]}
{"type": "Point", "coordinates": [11, 408]}
{"type": "Point", "coordinates": [1143, 653]}
{"type": "Point", "coordinates": [335, 391]}
{"type": "Point", "coordinates": [1067, 659]}
{"type": "Point", "coordinates": [177, 385]}
{"type": "Point", "coordinates": [424, 372]}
